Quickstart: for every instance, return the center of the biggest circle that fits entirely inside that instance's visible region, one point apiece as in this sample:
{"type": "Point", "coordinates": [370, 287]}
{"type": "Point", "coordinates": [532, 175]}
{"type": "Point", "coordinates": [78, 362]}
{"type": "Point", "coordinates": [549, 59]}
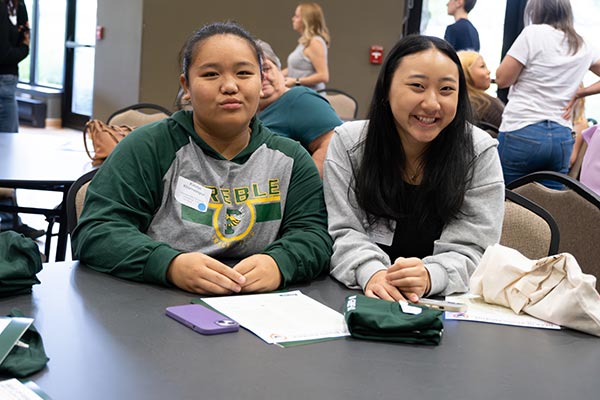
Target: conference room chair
{"type": "Point", "coordinates": [528, 228]}
{"type": "Point", "coordinates": [138, 115]}
{"type": "Point", "coordinates": [75, 199]}
{"type": "Point", "coordinates": [576, 210]}
{"type": "Point", "coordinates": [345, 106]}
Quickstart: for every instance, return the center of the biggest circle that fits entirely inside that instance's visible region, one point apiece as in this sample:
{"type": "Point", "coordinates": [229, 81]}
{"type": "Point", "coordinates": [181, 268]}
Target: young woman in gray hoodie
{"type": "Point", "coordinates": [415, 193]}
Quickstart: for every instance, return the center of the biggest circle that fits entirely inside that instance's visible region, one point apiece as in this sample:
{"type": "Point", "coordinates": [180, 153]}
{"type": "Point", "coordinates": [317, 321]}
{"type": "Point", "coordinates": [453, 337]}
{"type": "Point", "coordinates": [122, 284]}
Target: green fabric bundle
{"type": "Point", "coordinates": [376, 319]}
{"type": "Point", "coordinates": [20, 261]}
{"type": "Point", "coordinates": [21, 361]}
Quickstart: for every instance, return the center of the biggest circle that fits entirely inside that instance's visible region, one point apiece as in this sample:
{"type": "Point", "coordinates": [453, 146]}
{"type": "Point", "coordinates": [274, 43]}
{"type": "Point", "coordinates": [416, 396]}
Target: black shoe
{"type": "Point", "coordinates": [29, 231]}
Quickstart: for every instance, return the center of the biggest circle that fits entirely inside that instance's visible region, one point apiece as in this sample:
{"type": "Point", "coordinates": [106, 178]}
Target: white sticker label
{"type": "Point", "coordinates": [408, 309]}
{"type": "Point", "coordinates": [383, 234]}
{"type": "Point", "coordinates": [192, 194]}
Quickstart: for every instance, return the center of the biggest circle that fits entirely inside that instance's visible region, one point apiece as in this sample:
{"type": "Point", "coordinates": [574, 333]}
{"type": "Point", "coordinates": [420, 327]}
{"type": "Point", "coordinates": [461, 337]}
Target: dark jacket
{"type": "Point", "coordinates": [12, 49]}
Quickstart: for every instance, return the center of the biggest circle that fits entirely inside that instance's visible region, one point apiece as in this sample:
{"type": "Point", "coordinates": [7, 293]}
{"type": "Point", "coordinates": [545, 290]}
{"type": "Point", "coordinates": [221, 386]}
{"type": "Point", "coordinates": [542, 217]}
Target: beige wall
{"type": "Point", "coordinates": [165, 26]}
{"type": "Point", "coordinates": [117, 66]}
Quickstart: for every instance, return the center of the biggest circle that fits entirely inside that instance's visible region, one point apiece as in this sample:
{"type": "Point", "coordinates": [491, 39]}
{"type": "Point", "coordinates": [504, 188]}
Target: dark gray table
{"type": "Point", "coordinates": [42, 162]}
{"type": "Point", "coordinates": [109, 339]}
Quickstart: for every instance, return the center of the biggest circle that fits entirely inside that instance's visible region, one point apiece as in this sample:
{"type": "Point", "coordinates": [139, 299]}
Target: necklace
{"type": "Point", "coordinates": [412, 177]}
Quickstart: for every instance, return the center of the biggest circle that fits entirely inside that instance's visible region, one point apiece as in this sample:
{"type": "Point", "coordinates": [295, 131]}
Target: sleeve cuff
{"type": "Point", "coordinates": [365, 272]}
{"type": "Point", "coordinates": [158, 263]}
{"type": "Point", "coordinates": [283, 261]}
{"type": "Point", "coordinates": [439, 278]}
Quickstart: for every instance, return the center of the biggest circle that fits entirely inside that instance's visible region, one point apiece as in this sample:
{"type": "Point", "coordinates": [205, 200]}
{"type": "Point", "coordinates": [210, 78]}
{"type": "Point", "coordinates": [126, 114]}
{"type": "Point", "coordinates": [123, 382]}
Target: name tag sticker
{"type": "Point", "coordinates": [192, 194]}
{"type": "Point", "coordinates": [383, 234]}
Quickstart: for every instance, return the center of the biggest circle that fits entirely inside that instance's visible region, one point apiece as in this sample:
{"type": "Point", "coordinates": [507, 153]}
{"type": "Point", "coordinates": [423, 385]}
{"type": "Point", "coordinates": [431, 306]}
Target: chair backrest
{"type": "Point", "coordinates": [138, 115]}
{"type": "Point", "coordinates": [576, 210]}
{"type": "Point", "coordinates": [345, 106]}
{"type": "Point", "coordinates": [75, 198]}
{"type": "Point", "coordinates": [528, 228]}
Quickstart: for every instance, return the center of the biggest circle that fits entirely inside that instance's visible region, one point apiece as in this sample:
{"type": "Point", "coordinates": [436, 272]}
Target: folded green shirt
{"type": "Point", "coordinates": [24, 361]}
{"type": "Point", "coordinates": [20, 261]}
{"type": "Point", "coordinates": [376, 319]}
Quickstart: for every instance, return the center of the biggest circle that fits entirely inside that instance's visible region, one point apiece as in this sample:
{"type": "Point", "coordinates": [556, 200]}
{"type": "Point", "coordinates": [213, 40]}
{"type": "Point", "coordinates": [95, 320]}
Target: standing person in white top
{"type": "Point", "coordinates": [307, 64]}
{"type": "Point", "coordinates": [543, 67]}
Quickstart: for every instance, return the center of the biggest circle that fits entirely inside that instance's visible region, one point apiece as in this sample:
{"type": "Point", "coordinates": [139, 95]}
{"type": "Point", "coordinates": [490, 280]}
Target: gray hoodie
{"type": "Point", "coordinates": [356, 255]}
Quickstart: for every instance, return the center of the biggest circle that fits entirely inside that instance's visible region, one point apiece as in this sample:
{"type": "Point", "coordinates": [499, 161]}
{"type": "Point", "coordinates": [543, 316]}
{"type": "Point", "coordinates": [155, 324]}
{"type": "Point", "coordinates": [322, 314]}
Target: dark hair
{"type": "Point", "coordinates": [446, 161]}
{"type": "Point", "coordinates": [559, 15]}
{"type": "Point", "coordinates": [209, 30]}
{"type": "Point", "coordinates": [468, 5]}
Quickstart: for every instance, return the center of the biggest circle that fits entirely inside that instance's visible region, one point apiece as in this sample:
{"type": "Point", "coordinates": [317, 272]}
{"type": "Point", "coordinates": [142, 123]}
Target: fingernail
{"type": "Point", "coordinates": [414, 298]}
{"type": "Point", "coordinates": [242, 279]}
{"type": "Point", "coordinates": [237, 289]}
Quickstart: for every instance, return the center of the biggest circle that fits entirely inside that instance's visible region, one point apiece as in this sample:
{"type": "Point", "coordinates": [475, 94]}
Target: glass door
{"type": "Point", "coordinates": [80, 50]}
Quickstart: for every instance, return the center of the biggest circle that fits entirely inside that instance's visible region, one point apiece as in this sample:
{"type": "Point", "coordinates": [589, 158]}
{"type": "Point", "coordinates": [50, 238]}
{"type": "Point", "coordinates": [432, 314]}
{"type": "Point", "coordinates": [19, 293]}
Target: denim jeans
{"type": "Point", "coordinates": [9, 114]}
{"type": "Point", "coordinates": [544, 146]}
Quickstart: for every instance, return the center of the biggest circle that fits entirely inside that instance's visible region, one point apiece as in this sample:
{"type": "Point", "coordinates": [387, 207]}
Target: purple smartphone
{"type": "Point", "coordinates": [202, 319]}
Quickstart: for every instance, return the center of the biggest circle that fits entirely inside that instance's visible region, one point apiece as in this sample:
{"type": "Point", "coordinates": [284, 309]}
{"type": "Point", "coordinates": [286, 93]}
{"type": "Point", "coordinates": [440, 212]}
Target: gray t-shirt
{"type": "Point", "coordinates": [299, 66]}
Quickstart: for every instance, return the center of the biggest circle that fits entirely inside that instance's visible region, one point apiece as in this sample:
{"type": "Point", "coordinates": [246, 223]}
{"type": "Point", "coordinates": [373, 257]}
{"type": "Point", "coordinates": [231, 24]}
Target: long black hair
{"type": "Point", "coordinates": [446, 161]}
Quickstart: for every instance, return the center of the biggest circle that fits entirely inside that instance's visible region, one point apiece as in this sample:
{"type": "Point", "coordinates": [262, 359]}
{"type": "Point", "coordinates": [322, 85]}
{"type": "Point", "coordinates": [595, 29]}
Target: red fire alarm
{"type": "Point", "coordinates": [99, 32]}
{"type": "Point", "coordinates": [376, 54]}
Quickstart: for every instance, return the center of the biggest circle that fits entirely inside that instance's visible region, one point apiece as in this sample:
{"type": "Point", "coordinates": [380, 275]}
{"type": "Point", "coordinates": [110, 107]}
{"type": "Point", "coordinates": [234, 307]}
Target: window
{"type": "Point", "coordinates": [45, 64]}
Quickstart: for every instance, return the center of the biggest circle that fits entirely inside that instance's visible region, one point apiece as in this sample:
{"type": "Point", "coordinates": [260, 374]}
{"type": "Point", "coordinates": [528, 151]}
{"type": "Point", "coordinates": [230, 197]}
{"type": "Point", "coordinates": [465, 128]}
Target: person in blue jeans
{"type": "Point", "coordinates": [14, 47]}
{"type": "Point", "coordinates": [544, 146]}
{"type": "Point", "coordinates": [543, 68]}
{"type": "Point", "coordinates": [9, 119]}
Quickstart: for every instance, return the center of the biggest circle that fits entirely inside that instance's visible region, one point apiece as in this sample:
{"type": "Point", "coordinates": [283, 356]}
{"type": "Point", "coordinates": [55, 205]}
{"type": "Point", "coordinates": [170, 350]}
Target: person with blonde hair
{"type": "Point", "coordinates": [544, 67]}
{"type": "Point", "coordinates": [307, 64]}
{"type": "Point", "coordinates": [575, 111]}
{"type": "Point", "coordinates": [487, 110]}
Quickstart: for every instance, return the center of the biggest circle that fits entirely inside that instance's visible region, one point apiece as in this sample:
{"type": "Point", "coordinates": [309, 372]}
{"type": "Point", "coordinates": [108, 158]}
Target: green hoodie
{"type": "Point", "coordinates": [268, 199]}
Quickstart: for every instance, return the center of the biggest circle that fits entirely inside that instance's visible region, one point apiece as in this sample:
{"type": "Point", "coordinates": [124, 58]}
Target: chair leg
{"type": "Point", "coordinates": [16, 220]}
{"type": "Point", "coordinates": [48, 237]}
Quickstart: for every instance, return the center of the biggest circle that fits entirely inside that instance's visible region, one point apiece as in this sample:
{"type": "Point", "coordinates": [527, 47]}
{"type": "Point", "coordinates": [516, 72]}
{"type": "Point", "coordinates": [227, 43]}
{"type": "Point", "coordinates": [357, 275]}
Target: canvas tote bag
{"type": "Point", "coordinates": [552, 288]}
